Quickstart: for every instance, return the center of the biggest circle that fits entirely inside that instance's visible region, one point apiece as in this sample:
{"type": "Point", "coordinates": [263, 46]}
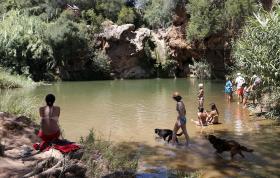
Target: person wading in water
{"type": "Point", "coordinates": [181, 118]}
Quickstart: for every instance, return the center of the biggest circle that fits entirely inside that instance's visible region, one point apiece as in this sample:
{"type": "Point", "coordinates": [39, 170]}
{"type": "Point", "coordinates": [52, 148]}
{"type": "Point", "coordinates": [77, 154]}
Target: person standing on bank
{"type": "Point", "coordinates": [181, 118]}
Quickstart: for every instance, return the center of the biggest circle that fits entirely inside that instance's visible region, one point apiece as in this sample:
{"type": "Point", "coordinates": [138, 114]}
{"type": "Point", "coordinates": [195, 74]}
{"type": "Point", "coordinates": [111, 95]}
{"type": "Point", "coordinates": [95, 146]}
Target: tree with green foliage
{"type": "Point", "coordinates": [126, 15]}
{"type": "Point", "coordinates": [211, 17]}
{"type": "Point", "coordinates": [92, 19]}
{"type": "Point", "coordinates": [109, 9]}
{"type": "Point", "coordinates": [257, 51]}
{"type": "Point", "coordinates": [23, 47]}
{"type": "Point", "coordinates": [236, 10]}
{"type": "Point", "coordinates": [158, 13]}
{"type": "Point", "coordinates": [206, 18]}
{"type": "Point", "coordinates": [101, 65]}
{"type": "Point", "coordinates": [68, 40]}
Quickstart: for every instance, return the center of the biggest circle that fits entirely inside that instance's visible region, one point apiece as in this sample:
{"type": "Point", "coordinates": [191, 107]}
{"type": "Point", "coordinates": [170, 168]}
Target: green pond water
{"type": "Point", "coordinates": [129, 111]}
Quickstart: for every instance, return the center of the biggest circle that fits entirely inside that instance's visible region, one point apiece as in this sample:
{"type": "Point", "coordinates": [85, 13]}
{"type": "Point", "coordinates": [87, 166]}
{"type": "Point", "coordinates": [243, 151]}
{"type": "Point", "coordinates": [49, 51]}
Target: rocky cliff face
{"type": "Point", "coordinates": [126, 48]}
{"type": "Point", "coordinates": [214, 49]}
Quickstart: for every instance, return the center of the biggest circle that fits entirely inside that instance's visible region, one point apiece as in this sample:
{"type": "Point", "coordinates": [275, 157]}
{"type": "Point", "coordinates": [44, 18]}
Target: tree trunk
{"type": "Point", "coordinates": [267, 4]}
{"type": "Point", "coordinates": [2, 149]}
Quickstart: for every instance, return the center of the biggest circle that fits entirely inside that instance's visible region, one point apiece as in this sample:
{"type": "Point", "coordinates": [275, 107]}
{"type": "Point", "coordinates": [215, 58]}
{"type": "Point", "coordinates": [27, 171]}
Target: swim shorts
{"type": "Point", "coordinates": [183, 120]}
{"type": "Point", "coordinates": [240, 91]}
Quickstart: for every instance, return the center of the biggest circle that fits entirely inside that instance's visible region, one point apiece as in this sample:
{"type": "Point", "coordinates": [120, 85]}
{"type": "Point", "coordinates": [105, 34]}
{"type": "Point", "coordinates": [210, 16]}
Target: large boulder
{"type": "Point", "coordinates": [125, 48]}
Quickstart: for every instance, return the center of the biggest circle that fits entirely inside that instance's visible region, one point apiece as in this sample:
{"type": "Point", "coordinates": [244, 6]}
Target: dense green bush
{"type": "Point", "coordinates": [201, 69]}
{"type": "Point", "coordinates": [126, 15]}
{"type": "Point", "coordinates": [168, 68]}
{"type": "Point", "coordinates": [236, 10]}
{"type": "Point", "coordinates": [41, 50]}
{"type": "Point", "coordinates": [257, 50]}
{"type": "Point", "coordinates": [23, 48]}
{"type": "Point", "coordinates": [109, 9]}
{"type": "Point", "coordinates": [101, 65]}
{"type": "Point", "coordinates": [68, 40]}
{"type": "Point", "coordinates": [206, 18]}
{"type": "Point", "coordinates": [210, 17]}
{"type": "Point", "coordinates": [158, 13]}
{"type": "Point", "coordinates": [92, 19]}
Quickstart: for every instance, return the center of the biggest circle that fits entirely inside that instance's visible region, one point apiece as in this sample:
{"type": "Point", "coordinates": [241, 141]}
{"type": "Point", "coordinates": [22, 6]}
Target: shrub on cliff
{"type": "Point", "coordinates": [126, 15]}
{"type": "Point", "coordinates": [158, 13]}
{"type": "Point", "coordinates": [201, 69]}
{"type": "Point", "coordinates": [210, 17]}
{"type": "Point", "coordinates": [91, 18]}
{"type": "Point", "coordinates": [257, 50]}
{"type": "Point", "coordinates": [100, 65]}
{"type": "Point", "coordinates": [109, 9]}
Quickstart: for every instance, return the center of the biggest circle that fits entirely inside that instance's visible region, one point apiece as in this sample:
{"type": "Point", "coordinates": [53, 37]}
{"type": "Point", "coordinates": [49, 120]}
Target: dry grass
{"type": "Point", "coordinates": [8, 81]}
{"type": "Point", "coordinates": [103, 158]}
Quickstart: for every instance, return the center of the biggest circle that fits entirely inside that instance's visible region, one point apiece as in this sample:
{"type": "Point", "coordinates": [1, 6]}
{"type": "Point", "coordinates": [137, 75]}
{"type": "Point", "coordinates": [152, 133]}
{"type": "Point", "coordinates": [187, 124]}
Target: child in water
{"type": "Point", "coordinates": [202, 118]}
{"type": "Point", "coordinates": [200, 96]}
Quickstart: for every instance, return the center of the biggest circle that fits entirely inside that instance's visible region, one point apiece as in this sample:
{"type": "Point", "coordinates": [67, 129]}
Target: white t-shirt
{"type": "Point", "coordinates": [239, 81]}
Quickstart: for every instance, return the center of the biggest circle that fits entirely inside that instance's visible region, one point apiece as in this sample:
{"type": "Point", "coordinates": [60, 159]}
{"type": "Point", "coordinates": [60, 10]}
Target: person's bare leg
{"type": "Point", "coordinates": [175, 130]}
{"type": "Point", "coordinates": [239, 96]}
{"type": "Point", "coordinates": [184, 129]}
{"type": "Point", "coordinates": [201, 102]}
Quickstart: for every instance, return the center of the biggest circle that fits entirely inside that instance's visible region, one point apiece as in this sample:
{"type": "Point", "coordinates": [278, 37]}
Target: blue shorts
{"type": "Point", "coordinates": [183, 120]}
{"type": "Point", "coordinates": [228, 91]}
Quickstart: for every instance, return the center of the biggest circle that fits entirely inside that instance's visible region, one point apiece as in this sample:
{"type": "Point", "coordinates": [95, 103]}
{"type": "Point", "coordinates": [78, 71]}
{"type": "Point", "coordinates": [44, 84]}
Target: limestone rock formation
{"type": "Point", "coordinates": [125, 48]}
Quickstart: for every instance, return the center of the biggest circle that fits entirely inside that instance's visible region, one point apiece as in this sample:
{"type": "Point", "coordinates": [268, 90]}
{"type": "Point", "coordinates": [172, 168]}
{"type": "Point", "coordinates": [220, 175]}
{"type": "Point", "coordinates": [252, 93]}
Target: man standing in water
{"type": "Point", "coordinates": [239, 81]}
{"type": "Point", "coordinates": [181, 118]}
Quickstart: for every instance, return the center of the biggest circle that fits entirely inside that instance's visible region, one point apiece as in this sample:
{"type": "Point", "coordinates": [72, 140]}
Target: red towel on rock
{"type": "Point", "coordinates": [53, 141]}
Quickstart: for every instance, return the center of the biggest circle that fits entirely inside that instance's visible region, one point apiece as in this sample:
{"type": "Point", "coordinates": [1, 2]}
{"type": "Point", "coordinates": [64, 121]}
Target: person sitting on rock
{"type": "Point", "coordinates": [49, 114]}
{"type": "Point", "coordinates": [213, 115]}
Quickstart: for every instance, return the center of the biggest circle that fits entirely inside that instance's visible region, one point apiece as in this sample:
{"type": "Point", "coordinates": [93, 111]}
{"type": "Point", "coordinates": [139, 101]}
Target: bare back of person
{"type": "Point", "coordinates": [49, 119]}
{"type": "Point", "coordinates": [202, 118]}
{"type": "Point", "coordinates": [213, 117]}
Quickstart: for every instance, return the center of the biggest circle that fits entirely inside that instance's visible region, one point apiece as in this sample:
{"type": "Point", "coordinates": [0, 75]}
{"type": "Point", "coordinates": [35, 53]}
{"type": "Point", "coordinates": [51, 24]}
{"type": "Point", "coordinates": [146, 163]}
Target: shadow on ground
{"type": "Point", "coordinates": [162, 159]}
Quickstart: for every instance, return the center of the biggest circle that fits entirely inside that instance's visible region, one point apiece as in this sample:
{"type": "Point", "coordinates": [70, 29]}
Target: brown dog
{"type": "Point", "coordinates": [222, 145]}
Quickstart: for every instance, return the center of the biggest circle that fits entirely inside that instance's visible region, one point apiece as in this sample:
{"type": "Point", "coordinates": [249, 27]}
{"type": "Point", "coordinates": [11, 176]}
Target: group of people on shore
{"type": "Point", "coordinates": [243, 89]}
